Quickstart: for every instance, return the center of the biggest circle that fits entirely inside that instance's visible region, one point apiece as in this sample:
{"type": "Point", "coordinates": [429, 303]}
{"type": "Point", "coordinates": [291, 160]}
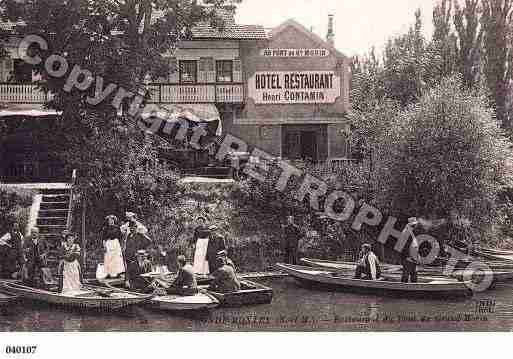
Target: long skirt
{"type": "Point", "coordinates": [200, 257]}
{"type": "Point", "coordinates": [113, 258]}
{"type": "Point", "coordinates": [70, 276]}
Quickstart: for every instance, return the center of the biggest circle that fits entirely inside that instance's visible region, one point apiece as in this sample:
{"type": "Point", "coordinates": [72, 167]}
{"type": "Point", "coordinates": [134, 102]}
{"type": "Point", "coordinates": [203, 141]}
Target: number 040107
{"type": "Point", "coordinates": [20, 349]}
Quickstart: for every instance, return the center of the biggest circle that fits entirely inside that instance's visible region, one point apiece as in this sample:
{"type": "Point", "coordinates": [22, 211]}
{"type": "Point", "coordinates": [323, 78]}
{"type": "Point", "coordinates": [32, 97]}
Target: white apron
{"type": "Point", "coordinates": [200, 257]}
{"type": "Point", "coordinates": [71, 276]}
{"type": "Point", "coordinates": [113, 258]}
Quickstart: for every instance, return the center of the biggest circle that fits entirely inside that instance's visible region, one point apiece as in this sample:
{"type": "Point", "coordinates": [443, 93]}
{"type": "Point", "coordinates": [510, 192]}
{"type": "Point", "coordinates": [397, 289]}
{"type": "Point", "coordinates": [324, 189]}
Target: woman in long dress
{"type": "Point", "coordinates": [71, 275]}
{"type": "Point", "coordinates": [113, 257]}
{"type": "Point", "coordinates": [201, 238]}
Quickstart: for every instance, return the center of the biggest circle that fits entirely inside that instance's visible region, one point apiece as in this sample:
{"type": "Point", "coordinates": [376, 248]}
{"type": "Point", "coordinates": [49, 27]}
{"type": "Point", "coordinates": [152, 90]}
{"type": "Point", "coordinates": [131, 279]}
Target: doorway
{"type": "Point", "coordinates": [308, 143]}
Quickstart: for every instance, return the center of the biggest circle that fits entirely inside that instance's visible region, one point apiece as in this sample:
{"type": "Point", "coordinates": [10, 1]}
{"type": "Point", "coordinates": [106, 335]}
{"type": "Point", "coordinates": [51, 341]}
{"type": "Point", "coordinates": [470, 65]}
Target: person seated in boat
{"type": "Point", "coordinates": [35, 251]}
{"type": "Point", "coordinates": [140, 265]}
{"type": "Point", "coordinates": [225, 280]}
{"type": "Point", "coordinates": [70, 274]}
{"type": "Point", "coordinates": [368, 264]}
{"type": "Point", "coordinates": [228, 261]}
{"type": "Point", "coordinates": [410, 254]}
{"type": "Point", "coordinates": [11, 255]}
{"type": "Point", "coordinates": [185, 282]}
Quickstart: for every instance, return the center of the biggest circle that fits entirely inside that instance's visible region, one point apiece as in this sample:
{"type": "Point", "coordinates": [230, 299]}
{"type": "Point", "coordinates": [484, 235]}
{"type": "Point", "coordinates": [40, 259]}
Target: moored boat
{"type": "Point", "coordinates": [342, 265]}
{"type": "Point", "coordinates": [251, 293]}
{"type": "Point", "coordinates": [333, 280]}
{"type": "Point", "coordinates": [6, 299]}
{"type": "Point", "coordinates": [89, 297]}
{"type": "Point", "coordinates": [200, 301]}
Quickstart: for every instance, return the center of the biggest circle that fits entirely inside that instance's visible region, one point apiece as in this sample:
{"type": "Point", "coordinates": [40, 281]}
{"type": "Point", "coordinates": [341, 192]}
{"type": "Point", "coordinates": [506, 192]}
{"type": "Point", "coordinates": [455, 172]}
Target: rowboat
{"type": "Point", "coordinates": [341, 265]}
{"type": "Point", "coordinates": [504, 252]}
{"type": "Point", "coordinates": [6, 299]}
{"type": "Point", "coordinates": [332, 280]}
{"type": "Point", "coordinates": [251, 293]}
{"type": "Point", "coordinates": [494, 257]}
{"type": "Point", "coordinates": [200, 301]}
{"type": "Point", "coordinates": [89, 297]}
{"type": "Point", "coordinates": [175, 302]}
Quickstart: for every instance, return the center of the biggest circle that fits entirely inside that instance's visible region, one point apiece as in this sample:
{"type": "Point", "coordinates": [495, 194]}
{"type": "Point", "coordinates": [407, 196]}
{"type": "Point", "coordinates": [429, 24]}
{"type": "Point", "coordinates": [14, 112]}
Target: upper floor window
{"type": "Point", "coordinates": [188, 71]}
{"type": "Point", "coordinates": [224, 71]}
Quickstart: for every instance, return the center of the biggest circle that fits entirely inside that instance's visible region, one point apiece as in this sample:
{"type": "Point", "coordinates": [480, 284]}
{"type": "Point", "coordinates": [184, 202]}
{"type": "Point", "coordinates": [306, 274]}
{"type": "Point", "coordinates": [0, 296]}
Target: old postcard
{"type": "Point", "coordinates": [255, 166]}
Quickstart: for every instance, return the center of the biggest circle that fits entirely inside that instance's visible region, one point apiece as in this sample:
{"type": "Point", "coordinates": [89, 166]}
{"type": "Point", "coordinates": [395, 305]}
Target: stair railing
{"type": "Point", "coordinates": [69, 220]}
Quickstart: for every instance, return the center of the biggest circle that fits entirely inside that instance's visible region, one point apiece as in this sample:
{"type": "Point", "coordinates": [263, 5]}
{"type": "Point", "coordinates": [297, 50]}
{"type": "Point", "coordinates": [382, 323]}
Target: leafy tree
{"type": "Point", "coordinates": [449, 158]}
{"type": "Point", "coordinates": [497, 22]}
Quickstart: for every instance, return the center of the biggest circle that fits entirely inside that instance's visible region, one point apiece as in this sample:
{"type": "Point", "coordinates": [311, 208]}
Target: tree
{"type": "Point", "coordinates": [449, 158]}
{"type": "Point", "coordinates": [467, 21]}
{"type": "Point", "coordinates": [497, 22]}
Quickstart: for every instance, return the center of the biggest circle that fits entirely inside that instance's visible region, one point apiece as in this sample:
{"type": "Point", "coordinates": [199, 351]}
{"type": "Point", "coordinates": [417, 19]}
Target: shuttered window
{"type": "Point", "coordinates": [224, 71]}
{"type": "Point", "coordinates": [188, 71]}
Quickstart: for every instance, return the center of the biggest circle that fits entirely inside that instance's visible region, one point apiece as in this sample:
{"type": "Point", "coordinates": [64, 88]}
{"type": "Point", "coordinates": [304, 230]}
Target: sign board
{"type": "Point", "coordinates": [294, 52]}
{"type": "Point", "coordinates": [300, 87]}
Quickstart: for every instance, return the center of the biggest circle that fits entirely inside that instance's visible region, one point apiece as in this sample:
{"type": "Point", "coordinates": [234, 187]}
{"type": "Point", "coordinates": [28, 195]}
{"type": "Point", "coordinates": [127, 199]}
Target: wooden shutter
{"type": "Point", "coordinates": [173, 70]}
{"type": "Point", "coordinates": [237, 70]}
{"type": "Point", "coordinates": [210, 70]}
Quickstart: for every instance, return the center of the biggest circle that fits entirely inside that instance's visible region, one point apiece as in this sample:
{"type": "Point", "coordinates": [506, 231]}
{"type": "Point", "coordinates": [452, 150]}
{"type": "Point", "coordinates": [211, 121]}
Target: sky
{"type": "Point", "coordinates": [359, 24]}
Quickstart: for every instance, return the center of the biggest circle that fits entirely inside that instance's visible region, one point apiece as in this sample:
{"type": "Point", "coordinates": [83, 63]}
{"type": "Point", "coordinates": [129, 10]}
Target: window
{"type": "Point", "coordinates": [224, 71]}
{"type": "Point", "coordinates": [188, 71]}
{"type": "Point", "coordinates": [22, 71]}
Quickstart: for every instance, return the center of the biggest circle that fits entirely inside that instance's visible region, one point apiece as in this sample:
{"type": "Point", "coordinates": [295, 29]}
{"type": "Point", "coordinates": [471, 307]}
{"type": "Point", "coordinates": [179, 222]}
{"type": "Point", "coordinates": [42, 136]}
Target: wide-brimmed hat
{"type": "Point", "coordinates": [111, 216]}
{"type": "Point", "coordinates": [413, 221]}
{"type": "Point", "coordinates": [213, 227]}
{"type": "Point", "coordinates": [130, 215]}
{"type": "Point", "coordinates": [367, 246]}
{"type": "Point", "coordinates": [201, 218]}
{"type": "Point", "coordinates": [222, 253]}
{"type": "Point", "coordinates": [141, 252]}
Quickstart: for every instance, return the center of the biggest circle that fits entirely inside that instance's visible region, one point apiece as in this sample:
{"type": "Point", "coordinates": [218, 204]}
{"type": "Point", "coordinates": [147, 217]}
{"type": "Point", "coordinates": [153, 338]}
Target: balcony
{"type": "Point", "coordinates": [22, 93]}
{"type": "Point", "coordinates": [164, 93]}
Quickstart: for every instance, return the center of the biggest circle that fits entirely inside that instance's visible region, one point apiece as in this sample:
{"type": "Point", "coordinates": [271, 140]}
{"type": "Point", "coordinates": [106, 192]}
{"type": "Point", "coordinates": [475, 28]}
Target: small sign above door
{"type": "Point", "coordinates": [294, 52]}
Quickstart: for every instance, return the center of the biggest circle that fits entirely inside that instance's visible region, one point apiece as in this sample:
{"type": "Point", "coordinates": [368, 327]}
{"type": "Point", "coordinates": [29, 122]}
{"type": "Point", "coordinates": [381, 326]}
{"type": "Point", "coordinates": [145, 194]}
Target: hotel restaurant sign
{"type": "Point", "coordinates": [298, 87]}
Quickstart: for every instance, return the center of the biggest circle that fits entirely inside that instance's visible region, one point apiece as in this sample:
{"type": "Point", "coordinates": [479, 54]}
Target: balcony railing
{"type": "Point", "coordinates": [22, 93]}
{"type": "Point", "coordinates": [196, 93]}
{"type": "Point", "coordinates": [165, 93]}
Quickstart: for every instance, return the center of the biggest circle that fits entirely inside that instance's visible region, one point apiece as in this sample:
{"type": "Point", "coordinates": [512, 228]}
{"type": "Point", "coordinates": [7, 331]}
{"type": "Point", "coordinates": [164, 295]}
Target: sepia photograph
{"type": "Point", "coordinates": [255, 166]}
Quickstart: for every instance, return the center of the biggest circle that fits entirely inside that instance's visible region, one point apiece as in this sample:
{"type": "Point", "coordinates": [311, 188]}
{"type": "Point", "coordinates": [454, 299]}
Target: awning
{"type": "Point", "coordinates": [198, 113]}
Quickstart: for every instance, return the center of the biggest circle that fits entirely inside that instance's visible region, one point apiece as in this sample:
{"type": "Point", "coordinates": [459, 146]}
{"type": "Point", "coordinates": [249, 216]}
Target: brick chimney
{"type": "Point", "coordinates": [330, 36]}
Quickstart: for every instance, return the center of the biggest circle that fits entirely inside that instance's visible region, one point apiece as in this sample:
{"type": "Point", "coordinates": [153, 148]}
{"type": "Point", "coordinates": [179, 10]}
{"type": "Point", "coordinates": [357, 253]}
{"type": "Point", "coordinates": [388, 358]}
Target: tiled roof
{"type": "Point", "coordinates": [9, 26]}
{"type": "Point", "coordinates": [234, 32]}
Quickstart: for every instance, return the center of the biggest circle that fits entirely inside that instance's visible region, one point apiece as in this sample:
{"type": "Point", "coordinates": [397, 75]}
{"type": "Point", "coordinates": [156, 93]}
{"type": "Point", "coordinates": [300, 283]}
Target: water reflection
{"type": "Point", "coordinates": [293, 308]}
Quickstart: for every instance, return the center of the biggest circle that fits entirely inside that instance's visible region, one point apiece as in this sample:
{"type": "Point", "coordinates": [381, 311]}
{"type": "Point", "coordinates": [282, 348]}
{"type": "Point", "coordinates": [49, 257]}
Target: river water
{"type": "Point", "coordinates": [294, 308]}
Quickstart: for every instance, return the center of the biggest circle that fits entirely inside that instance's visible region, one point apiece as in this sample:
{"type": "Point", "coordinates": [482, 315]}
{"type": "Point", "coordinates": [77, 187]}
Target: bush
{"type": "Point", "coordinates": [14, 206]}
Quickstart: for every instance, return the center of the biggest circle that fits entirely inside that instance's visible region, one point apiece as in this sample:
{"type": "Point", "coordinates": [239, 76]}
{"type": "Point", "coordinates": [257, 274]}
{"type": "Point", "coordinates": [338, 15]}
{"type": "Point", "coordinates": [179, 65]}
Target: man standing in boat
{"type": "Point", "coordinates": [291, 237]}
{"type": "Point", "coordinates": [35, 251]}
{"type": "Point", "coordinates": [368, 264]}
{"type": "Point", "coordinates": [11, 256]}
{"type": "Point", "coordinates": [410, 254]}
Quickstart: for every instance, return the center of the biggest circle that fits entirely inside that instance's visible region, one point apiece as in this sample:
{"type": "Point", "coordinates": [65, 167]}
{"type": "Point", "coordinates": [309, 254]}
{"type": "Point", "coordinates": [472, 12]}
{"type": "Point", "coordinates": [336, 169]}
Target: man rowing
{"type": "Point", "coordinates": [368, 264]}
{"type": "Point", "coordinates": [185, 282]}
{"type": "Point", "coordinates": [225, 280]}
{"type": "Point", "coordinates": [141, 265]}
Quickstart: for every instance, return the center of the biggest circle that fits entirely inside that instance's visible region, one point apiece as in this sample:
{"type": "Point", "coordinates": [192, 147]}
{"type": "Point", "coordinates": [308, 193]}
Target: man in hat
{"type": "Point", "coordinates": [11, 255]}
{"type": "Point", "coordinates": [185, 282]}
{"type": "Point", "coordinates": [224, 254]}
{"type": "Point", "coordinates": [132, 220]}
{"type": "Point", "coordinates": [216, 244]}
{"type": "Point", "coordinates": [291, 236]}
{"type": "Point", "coordinates": [368, 264]}
{"type": "Point", "coordinates": [35, 251]}
{"type": "Point", "coordinates": [140, 265]}
{"type": "Point", "coordinates": [410, 254]}
{"type": "Point", "coordinates": [137, 239]}
{"type": "Point", "coordinates": [225, 279]}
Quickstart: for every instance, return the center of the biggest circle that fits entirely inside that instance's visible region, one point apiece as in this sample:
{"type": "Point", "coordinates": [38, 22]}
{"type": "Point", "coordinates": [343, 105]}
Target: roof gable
{"type": "Point", "coordinates": [291, 23]}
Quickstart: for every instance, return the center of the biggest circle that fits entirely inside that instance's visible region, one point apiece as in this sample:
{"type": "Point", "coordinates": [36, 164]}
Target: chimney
{"type": "Point", "coordinates": [330, 36]}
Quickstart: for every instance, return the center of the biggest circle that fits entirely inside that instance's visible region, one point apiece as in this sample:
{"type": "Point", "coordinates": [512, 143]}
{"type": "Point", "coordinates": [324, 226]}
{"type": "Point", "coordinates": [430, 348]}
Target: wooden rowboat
{"type": "Point", "coordinates": [332, 280]}
{"type": "Point", "coordinates": [200, 301]}
{"type": "Point", "coordinates": [88, 298]}
{"type": "Point", "coordinates": [175, 302]}
{"type": "Point", "coordinates": [341, 265]}
{"type": "Point", "coordinates": [251, 293]}
{"type": "Point", "coordinates": [504, 252]}
{"type": "Point", "coordinates": [494, 257]}
{"type": "Point", "coordinates": [6, 299]}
